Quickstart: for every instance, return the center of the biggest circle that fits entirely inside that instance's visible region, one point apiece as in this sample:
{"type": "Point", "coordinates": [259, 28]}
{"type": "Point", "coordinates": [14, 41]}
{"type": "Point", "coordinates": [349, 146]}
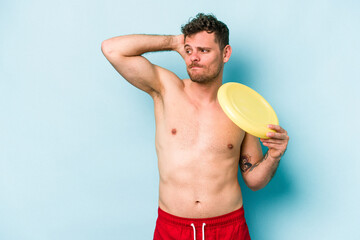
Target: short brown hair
{"type": "Point", "coordinates": [210, 24]}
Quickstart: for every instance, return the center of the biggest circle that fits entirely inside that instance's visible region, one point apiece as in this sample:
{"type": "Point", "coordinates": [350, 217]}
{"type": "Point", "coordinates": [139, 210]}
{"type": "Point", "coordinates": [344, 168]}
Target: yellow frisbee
{"type": "Point", "coordinates": [247, 109]}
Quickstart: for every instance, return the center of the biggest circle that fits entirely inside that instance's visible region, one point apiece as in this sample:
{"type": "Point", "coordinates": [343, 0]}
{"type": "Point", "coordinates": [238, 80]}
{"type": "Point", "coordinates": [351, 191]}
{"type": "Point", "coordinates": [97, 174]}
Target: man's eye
{"type": "Point", "coordinates": [204, 50]}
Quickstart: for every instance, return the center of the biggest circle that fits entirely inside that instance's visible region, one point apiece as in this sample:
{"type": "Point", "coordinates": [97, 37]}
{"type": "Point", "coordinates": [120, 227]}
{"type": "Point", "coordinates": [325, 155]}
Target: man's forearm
{"type": "Point", "coordinates": [260, 174]}
{"type": "Point", "coordinates": [136, 45]}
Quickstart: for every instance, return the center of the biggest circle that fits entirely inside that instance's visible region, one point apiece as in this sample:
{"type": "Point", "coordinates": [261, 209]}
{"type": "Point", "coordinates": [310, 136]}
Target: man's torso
{"type": "Point", "coordinates": [198, 151]}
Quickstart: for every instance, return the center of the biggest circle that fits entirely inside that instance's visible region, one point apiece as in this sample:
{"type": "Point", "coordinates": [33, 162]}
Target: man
{"type": "Point", "coordinates": [198, 146]}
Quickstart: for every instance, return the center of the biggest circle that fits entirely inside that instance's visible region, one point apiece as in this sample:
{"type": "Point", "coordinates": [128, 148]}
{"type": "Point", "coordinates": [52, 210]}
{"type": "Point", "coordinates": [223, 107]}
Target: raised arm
{"type": "Point", "coordinates": [124, 53]}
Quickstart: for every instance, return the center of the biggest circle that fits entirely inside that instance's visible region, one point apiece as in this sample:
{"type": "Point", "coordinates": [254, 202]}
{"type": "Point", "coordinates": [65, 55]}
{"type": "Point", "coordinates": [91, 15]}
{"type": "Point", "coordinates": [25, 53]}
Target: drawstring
{"type": "Point", "coordinates": [203, 231]}
{"type": "Point", "coordinates": [194, 231]}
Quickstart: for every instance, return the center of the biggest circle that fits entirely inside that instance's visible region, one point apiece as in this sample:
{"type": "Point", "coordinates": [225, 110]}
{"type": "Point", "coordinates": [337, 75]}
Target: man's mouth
{"type": "Point", "coordinates": [195, 66]}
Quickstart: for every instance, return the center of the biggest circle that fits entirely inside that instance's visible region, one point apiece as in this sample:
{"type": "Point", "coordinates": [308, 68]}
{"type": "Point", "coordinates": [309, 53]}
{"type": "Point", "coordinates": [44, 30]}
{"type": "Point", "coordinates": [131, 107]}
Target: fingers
{"type": "Point", "coordinates": [274, 146]}
{"type": "Point", "coordinates": [277, 141]}
{"type": "Point", "coordinates": [282, 136]}
{"type": "Point", "coordinates": [277, 128]}
{"type": "Point", "coordinates": [270, 140]}
{"type": "Point", "coordinates": [277, 149]}
{"type": "Point", "coordinates": [279, 133]}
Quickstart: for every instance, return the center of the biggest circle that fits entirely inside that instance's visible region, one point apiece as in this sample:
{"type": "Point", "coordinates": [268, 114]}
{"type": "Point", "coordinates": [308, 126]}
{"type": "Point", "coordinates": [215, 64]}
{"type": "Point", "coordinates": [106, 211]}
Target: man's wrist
{"type": "Point", "coordinates": [178, 44]}
{"type": "Point", "coordinates": [273, 159]}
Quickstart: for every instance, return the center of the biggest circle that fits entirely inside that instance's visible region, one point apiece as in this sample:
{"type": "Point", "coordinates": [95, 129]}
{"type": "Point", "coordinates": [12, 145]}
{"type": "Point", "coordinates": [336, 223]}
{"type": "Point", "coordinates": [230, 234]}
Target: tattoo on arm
{"type": "Point", "coordinates": [246, 165]}
{"type": "Point", "coordinates": [245, 162]}
{"type": "Point", "coordinates": [257, 164]}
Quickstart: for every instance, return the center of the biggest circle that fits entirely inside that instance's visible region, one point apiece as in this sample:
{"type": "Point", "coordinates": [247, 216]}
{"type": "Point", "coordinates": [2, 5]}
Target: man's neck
{"type": "Point", "coordinates": [204, 94]}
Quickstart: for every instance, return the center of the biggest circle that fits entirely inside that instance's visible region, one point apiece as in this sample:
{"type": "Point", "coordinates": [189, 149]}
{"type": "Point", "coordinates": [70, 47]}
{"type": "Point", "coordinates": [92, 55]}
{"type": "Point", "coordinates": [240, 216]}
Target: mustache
{"type": "Point", "coordinates": [195, 65]}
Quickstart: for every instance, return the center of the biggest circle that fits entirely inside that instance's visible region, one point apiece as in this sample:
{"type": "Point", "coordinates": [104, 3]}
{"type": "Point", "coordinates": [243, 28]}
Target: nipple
{"type": "Point", "coordinates": [173, 131]}
{"type": "Point", "coordinates": [230, 146]}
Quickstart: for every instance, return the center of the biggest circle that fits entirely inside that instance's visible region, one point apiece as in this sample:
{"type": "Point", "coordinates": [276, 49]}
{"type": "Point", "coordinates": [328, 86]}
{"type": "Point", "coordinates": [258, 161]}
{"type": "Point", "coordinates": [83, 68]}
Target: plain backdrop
{"type": "Point", "coordinates": [77, 153]}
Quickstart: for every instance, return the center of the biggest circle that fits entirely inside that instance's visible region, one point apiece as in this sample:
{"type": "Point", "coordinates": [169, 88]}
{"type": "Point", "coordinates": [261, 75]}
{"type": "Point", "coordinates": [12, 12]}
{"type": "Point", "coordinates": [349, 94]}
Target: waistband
{"type": "Point", "coordinates": [232, 217]}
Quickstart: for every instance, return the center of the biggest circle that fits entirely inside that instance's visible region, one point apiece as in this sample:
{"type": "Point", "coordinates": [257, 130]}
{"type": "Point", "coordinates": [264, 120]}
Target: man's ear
{"type": "Point", "coordinates": [227, 53]}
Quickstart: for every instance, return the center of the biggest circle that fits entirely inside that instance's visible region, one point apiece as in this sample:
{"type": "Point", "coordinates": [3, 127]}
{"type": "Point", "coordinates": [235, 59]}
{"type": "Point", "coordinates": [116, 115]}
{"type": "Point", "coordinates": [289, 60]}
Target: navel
{"type": "Point", "coordinates": [230, 146]}
{"type": "Point", "coordinates": [173, 131]}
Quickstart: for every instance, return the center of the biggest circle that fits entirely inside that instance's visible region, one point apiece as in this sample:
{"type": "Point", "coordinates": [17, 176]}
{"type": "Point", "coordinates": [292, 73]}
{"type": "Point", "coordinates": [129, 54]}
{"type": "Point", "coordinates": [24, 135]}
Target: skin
{"type": "Point", "coordinates": [199, 148]}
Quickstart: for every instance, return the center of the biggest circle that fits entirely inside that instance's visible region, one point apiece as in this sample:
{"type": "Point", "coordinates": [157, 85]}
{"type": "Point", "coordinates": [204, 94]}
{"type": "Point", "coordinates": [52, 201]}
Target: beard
{"type": "Point", "coordinates": [206, 77]}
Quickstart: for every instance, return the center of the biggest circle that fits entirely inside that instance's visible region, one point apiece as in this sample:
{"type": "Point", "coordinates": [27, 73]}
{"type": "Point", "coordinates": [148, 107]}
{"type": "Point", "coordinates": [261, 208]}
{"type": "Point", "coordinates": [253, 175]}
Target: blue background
{"type": "Point", "coordinates": [77, 154]}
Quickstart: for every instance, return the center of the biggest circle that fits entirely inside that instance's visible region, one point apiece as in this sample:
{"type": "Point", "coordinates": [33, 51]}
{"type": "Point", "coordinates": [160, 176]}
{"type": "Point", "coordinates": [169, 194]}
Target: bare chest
{"type": "Point", "coordinates": [183, 126]}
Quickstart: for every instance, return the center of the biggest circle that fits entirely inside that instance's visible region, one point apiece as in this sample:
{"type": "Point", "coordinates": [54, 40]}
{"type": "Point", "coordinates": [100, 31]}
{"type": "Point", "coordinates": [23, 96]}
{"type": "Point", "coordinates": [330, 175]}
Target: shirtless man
{"type": "Point", "coordinates": [199, 148]}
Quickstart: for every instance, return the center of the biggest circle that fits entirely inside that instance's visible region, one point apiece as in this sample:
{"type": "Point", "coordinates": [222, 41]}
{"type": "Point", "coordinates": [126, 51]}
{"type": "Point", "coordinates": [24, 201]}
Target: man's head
{"type": "Point", "coordinates": [210, 24]}
{"type": "Point", "coordinates": [206, 46]}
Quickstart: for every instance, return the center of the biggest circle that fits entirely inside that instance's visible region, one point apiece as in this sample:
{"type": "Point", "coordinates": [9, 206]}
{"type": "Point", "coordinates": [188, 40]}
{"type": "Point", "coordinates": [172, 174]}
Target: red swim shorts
{"type": "Point", "coordinates": [231, 226]}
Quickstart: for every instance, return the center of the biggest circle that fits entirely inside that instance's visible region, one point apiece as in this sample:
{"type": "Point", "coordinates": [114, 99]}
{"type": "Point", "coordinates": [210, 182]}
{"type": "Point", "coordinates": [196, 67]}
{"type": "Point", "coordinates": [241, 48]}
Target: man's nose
{"type": "Point", "coordinates": [194, 57]}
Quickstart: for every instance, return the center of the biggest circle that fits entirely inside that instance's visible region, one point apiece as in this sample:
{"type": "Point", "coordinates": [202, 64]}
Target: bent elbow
{"type": "Point", "coordinates": [254, 185]}
{"type": "Point", "coordinates": [105, 48]}
{"type": "Point", "coordinates": [255, 188]}
{"type": "Point", "coordinates": [111, 52]}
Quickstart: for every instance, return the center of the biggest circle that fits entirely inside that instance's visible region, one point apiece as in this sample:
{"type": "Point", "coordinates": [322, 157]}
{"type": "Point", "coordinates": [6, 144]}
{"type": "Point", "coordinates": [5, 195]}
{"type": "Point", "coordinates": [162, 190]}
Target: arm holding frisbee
{"type": "Point", "coordinates": [124, 53]}
{"type": "Point", "coordinates": [257, 171]}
